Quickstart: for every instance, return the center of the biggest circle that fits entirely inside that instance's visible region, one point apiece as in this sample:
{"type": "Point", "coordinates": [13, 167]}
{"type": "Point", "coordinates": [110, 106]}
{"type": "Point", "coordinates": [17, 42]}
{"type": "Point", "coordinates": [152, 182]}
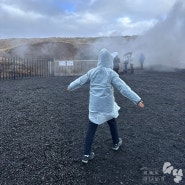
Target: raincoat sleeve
{"type": "Point", "coordinates": [125, 90]}
{"type": "Point", "coordinates": [79, 82]}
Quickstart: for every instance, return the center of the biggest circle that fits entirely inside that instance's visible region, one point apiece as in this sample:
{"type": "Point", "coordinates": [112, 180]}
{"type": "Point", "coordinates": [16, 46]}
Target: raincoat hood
{"type": "Point", "coordinates": [105, 59]}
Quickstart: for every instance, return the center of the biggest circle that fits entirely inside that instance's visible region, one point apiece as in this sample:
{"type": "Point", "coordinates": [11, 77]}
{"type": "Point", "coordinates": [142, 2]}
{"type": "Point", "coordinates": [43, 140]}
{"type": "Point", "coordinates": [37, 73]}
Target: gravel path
{"type": "Point", "coordinates": [43, 126]}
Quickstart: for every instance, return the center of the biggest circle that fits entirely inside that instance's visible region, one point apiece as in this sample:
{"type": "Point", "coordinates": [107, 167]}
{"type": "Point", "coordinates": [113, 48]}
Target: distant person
{"type": "Point", "coordinates": [116, 62]}
{"type": "Point", "coordinates": [126, 68]}
{"type": "Point", "coordinates": [102, 105]}
{"type": "Point", "coordinates": [141, 60]}
{"type": "Point", "coordinates": [127, 59]}
{"type": "Point", "coordinates": [131, 68]}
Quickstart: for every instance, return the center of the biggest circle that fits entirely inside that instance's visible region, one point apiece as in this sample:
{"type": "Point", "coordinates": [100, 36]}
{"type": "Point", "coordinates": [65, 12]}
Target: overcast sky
{"type": "Point", "coordinates": [80, 18]}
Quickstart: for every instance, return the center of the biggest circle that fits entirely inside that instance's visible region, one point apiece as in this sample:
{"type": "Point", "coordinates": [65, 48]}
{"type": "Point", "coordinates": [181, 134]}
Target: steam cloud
{"type": "Point", "coordinates": [164, 44]}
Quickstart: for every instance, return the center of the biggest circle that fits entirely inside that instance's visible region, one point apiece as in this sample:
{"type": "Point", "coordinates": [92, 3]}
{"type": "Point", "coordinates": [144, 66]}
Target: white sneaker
{"type": "Point", "coordinates": [86, 158]}
{"type": "Point", "coordinates": [116, 146]}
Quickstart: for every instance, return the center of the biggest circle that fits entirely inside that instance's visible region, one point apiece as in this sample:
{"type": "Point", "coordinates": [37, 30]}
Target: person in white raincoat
{"type": "Point", "coordinates": [102, 105]}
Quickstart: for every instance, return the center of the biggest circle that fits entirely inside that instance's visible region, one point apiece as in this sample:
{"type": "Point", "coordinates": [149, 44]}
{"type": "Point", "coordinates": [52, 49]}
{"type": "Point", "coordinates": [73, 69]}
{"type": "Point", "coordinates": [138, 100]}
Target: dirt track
{"type": "Point", "coordinates": [42, 130]}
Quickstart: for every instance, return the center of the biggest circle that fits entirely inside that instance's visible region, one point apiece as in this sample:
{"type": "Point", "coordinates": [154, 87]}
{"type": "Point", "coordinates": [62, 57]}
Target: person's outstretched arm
{"type": "Point", "coordinates": [126, 91]}
{"type": "Point", "coordinates": [78, 82]}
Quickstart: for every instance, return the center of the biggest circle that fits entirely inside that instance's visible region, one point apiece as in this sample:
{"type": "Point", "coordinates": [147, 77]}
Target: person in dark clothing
{"type": "Point", "coordinates": [141, 59]}
{"type": "Point", "coordinates": [126, 68]}
{"type": "Point", "coordinates": [131, 68]}
{"type": "Point", "coordinates": [116, 62]}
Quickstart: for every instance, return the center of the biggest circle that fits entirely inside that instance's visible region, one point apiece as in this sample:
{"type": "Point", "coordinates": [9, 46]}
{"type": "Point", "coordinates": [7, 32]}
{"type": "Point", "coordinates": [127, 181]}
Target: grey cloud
{"type": "Point", "coordinates": [38, 18]}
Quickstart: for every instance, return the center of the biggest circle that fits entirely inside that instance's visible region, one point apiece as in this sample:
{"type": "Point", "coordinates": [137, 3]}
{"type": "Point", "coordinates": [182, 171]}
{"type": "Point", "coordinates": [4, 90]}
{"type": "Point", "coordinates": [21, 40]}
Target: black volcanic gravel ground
{"type": "Point", "coordinates": [43, 126]}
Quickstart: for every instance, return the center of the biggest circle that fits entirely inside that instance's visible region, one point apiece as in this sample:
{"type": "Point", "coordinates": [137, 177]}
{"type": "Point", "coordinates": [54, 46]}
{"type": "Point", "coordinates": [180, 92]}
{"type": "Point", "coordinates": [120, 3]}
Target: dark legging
{"type": "Point", "coordinates": [92, 130]}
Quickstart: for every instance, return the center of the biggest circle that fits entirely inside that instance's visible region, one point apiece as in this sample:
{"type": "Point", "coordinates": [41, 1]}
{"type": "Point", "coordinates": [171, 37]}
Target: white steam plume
{"type": "Point", "coordinates": [164, 44]}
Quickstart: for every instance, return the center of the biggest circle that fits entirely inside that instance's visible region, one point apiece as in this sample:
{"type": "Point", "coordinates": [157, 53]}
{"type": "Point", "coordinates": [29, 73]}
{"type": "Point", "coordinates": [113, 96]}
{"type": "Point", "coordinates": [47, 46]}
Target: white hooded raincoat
{"type": "Point", "coordinates": [102, 105]}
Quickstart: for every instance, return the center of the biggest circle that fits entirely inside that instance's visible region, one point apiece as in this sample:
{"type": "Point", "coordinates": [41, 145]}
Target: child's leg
{"type": "Point", "coordinates": [89, 137]}
{"type": "Point", "coordinates": [114, 131]}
